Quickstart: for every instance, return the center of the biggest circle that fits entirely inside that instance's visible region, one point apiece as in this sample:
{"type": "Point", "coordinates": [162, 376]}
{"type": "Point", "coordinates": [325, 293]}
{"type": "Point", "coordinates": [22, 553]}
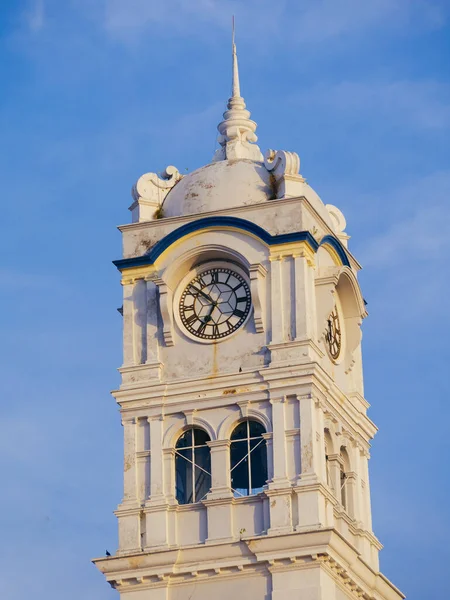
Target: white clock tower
{"type": "Point", "coordinates": [246, 436]}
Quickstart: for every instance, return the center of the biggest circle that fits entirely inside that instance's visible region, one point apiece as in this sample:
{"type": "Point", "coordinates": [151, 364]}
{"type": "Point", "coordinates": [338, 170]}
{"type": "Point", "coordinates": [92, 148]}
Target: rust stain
{"type": "Point", "coordinates": [215, 369]}
{"type": "Point", "coordinates": [226, 392]}
{"type": "Point", "coordinates": [135, 562]}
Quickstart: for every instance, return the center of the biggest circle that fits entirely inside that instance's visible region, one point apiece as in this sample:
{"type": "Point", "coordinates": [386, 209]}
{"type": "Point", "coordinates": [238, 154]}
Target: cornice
{"type": "Point", "coordinates": [250, 386]}
{"type": "Point", "coordinates": [218, 222]}
{"type": "Point", "coordinates": [253, 555]}
{"type": "Point", "coordinates": [226, 211]}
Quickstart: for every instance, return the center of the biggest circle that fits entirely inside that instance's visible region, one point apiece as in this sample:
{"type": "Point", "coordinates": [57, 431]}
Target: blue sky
{"type": "Point", "coordinates": [97, 92]}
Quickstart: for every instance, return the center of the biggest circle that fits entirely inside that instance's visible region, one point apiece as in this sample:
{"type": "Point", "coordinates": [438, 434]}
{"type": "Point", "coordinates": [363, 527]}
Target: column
{"type": "Point", "coordinates": [128, 318]}
{"type": "Point", "coordinates": [334, 463]}
{"type": "Point", "coordinates": [143, 460]}
{"type": "Point", "coordinates": [219, 501]}
{"type": "Point", "coordinates": [220, 469]}
{"type": "Point", "coordinates": [129, 460]}
{"type": "Point", "coordinates": [280, 491]}
{"type": "Point", "coordinates": [309, 456]}
{"type": "Point", "coordinates": [152, 354]}
{"type": "Point", "coordinates": [276, 303]}
{"type": "Point", "coordinates": [304, 301]}
{"type": "Point", "coordinates": [156, 508]}
{"type": "Point", "coordinates": [128, 512]}
{"type": "Point", "coordinates": [279, 478]}
{"type": "Point", "coordinates": [156, 460]}
{"type": "Point", "coordinates": [311, 500]}
{"type": "Point", "coordinates": [139, 321]}
{"type": "Point", "coordinates": [366, 490]}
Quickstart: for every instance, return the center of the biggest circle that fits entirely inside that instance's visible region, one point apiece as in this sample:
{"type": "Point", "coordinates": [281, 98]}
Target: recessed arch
{"type": "Point", "coordinates": [230, 423]}
{"type": "Point", "coordinates": [352, 301]}
{"type": "Point", "coordinates": [215, 224]}
{"type": "Point", "coordinates": [172, 434]}
{"type": "Point", "coordinates": [337, 249]}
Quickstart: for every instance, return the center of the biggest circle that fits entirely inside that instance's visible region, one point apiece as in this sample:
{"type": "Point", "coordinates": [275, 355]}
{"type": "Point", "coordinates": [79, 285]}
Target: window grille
{"type": "Point", "coordinates": [192, 466]}
{"type": "Point", "coordinates": [248, 453]}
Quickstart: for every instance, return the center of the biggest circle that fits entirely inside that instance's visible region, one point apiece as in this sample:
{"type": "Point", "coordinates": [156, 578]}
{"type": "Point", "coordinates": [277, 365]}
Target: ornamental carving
{"type": "Point", "coordinates": [285, 167]}
{"type": "Point", "coordinates": [149, 193]}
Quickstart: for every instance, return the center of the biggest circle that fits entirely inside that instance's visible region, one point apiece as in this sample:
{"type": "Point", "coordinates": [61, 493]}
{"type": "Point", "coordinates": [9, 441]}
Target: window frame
{"type": "Point", "coordinates": [194, 468]}
{"type": "Point", "coordinates": [262, 442]}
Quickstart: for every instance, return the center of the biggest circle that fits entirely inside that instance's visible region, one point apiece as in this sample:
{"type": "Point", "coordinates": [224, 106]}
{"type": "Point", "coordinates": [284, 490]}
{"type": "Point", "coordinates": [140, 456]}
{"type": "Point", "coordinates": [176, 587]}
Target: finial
{"type": "Point", "coordinates": [237, 131]}
{"type": "Point", "coordinates": [235, 87]}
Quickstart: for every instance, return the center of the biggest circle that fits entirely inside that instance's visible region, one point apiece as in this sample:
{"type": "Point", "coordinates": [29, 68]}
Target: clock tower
{"type": "Point", "coordinates": [246, 435]}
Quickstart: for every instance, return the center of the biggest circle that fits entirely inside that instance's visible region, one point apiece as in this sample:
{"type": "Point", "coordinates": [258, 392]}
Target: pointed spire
{"type": "Point", "coordinates": [237, 131]}
{"type": "Point", "coordinates": [235, 87]}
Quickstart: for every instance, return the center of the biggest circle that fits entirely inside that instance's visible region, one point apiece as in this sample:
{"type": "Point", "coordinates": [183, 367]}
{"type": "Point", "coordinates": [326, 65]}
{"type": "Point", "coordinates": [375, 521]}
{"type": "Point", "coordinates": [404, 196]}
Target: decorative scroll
{"type": "Point", "coordinates": [285, 167]}
{"type": "Point", "coordinates": [150, 192]}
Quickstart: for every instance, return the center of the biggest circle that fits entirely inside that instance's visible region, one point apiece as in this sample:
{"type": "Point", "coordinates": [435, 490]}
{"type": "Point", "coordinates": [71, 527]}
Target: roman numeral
{"type": "Point", "coordinates": [243, 299]}
{"type": "Point", "coordinates": [238, 313]}
{"type": "Point", "coordinates": [215, 330]}
{"type": "Point", "coordinates": [191, 319]}
{"type": "Point", "coordinates": [202, 327]}
{"type": "Point", "coordinates": [214, 277]}
{"type": "Point", "coordinates": [237, 287]}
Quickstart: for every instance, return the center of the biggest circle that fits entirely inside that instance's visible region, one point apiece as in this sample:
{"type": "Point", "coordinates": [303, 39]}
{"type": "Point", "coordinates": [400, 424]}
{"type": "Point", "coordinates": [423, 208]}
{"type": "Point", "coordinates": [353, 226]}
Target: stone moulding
{"type": "Point", "coordinates": [236, 223]}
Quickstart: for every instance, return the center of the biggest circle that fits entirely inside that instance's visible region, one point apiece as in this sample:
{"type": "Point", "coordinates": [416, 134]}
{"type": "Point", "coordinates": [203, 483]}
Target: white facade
{"type": "Point", "coordinates": [291, 367]}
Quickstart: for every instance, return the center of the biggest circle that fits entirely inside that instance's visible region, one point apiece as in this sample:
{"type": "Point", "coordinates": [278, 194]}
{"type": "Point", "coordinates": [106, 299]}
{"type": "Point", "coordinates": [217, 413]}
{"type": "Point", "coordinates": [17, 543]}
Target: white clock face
{"type": "Point", "coordinates": [215, 303]}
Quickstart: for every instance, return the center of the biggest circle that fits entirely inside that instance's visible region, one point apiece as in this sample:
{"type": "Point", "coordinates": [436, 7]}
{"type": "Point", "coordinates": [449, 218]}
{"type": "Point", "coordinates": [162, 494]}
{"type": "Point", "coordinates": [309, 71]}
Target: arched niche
{"type": "Point", "coordinates": [206, 245]}
{"type": "Point", "coordinates": [229, 423]}
{"type": "Point", "coordinates": [172, 434]}
{"type": "Point", "coordinates": [339, 286]}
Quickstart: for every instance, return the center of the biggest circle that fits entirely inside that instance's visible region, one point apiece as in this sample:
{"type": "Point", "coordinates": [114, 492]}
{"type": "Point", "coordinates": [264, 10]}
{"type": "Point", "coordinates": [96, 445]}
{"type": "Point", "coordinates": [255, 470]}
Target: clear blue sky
{"type": "Point", "coordinates": [96, 92]}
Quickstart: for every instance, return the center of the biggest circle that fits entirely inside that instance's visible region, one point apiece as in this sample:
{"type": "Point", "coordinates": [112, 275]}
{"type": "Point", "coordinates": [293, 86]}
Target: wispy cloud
{"type": "Point", "coordinates": [424, 232]}
{"type": "Point", "coordinates": [35, 16]}
{"type": "Point", "coordinates": [419, 104]}
{"type": "Point", "coordinates": [406, 258]}
{"type": "Point", "coordinates": [307, 21]}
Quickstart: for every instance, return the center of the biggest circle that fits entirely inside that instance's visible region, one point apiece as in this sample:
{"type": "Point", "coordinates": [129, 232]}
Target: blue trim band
{"type": "Point", "coordinates": [337, 246]}
{"type": "Point", "coordinates": [235, 223]}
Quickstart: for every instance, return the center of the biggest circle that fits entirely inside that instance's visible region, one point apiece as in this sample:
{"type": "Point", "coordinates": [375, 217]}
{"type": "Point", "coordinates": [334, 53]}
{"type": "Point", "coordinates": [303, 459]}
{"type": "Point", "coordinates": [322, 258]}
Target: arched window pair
{"type": "Point", "coordinates": [248, 462]}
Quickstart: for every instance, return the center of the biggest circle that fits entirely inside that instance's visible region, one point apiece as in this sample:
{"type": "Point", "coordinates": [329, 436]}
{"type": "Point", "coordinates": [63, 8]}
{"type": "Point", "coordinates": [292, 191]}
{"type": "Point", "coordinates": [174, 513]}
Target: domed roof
{"type": "Point", "coordinates": [239, 175]}
{"type": "Point", "coordinates": [219, 185]}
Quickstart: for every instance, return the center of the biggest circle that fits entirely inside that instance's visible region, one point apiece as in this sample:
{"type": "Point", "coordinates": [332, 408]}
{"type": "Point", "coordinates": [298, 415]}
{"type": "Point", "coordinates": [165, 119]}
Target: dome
{"type": "Point", "coordinates": [220, 185]}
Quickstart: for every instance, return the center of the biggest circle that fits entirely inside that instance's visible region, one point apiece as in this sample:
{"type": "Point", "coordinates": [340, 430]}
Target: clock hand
{"type": "Point", "coordinates": [208, 316]}
{"type": "Point", "coordinates": [202, 293]}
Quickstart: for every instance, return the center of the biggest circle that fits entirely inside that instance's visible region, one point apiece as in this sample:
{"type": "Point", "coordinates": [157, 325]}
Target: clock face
{"type": "Point", "coordinates": [215, 303]}
{"type": "Point", "coordinates": [333, 335]}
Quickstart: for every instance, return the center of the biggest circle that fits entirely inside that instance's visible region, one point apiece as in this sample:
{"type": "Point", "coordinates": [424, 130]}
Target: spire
{"type": "Point", "coordinates": [237, 131]}
{"type": "Point", "coordinates": [235, 87]}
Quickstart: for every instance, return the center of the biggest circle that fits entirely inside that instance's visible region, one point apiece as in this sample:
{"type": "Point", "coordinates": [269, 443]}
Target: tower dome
{"type": "Point", "coordinates": [220, 185]}
{"type": "Point", "coordinates": [239, 175]}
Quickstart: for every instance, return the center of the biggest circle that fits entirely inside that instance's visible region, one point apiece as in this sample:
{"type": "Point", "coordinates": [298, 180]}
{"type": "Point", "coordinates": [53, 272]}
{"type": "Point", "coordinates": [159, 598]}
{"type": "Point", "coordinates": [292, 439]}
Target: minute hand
{"type": "Point", "coordinates": [202, 294]}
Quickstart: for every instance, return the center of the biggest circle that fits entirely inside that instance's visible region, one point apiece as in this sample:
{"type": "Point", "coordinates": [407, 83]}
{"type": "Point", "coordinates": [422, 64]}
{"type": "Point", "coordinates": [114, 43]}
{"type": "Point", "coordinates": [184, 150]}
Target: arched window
{"type": "Point", "coordinates": [328, 450]}
{"type": "Point", "coordinates": [345, 468]}
{"type": "Point", "coordinates": [192, 466]}
{"type": "Point", "coordinates": [248, 459]}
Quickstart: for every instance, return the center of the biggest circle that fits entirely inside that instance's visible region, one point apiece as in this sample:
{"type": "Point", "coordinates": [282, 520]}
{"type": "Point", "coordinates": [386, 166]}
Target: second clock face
{"type": "Point", "coordinates": [333, 335]}
{"type": "Point", "coordinates": [215, 303]}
